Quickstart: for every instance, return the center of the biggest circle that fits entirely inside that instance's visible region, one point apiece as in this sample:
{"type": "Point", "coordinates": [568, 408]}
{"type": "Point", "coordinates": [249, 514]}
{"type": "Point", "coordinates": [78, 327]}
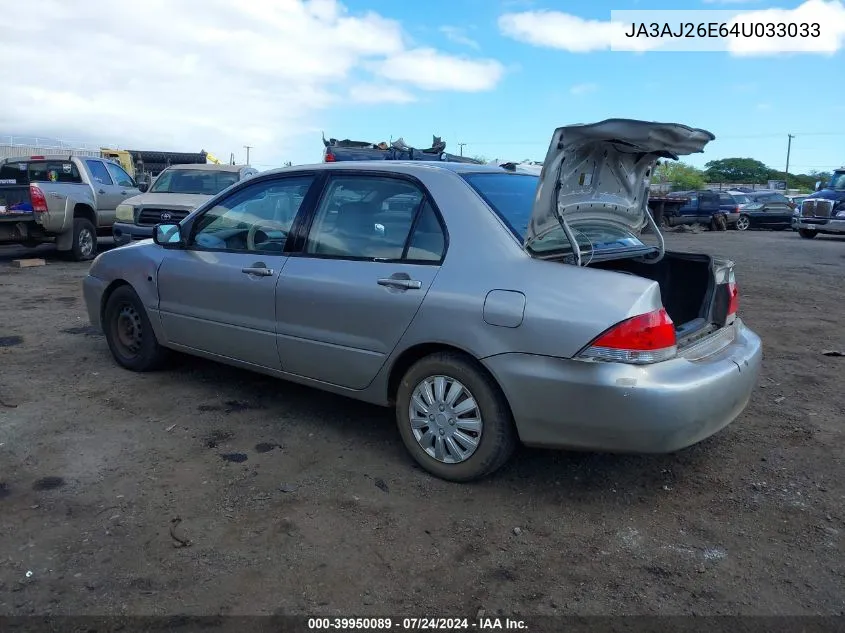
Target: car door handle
{"type": "Point", "coordinates": [123, 193]}
{"type": "Point", "coordinates": [258, 271]}
{"type": "Point", "coordinates": [405, 284]}
{"type": "Point", "coordinates": [101, 191]}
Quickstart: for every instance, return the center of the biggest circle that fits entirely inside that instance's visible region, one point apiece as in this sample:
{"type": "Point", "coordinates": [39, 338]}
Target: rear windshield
{"type": "Point", "coordinates": [511, 196]}
{"type": "Point", "coordinates": [741, 198]}
{"type": "Point", "coordinates": [26, 172]}
{"type": "Point", "coordinates": [199, 181]}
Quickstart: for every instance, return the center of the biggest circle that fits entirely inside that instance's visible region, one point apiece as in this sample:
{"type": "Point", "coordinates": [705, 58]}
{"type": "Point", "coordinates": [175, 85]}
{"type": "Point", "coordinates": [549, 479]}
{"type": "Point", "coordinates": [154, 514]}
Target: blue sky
{"type": "Point", "coordinates": [750, 104]}
{"type": "Point", "coordinates": [498, 75]}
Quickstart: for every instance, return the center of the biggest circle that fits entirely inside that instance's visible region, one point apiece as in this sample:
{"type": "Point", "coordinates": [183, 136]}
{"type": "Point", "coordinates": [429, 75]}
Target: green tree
{"type": "Point", "coordinates": [680, 176]}
{"type": "Point", "coordinates": [741, 170]}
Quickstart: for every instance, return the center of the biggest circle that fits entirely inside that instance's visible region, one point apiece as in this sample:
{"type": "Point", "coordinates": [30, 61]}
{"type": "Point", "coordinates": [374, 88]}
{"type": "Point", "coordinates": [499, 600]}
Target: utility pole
{"type": "Point", "coordinates": [788, 150]}
{"type": "Point", "coordinates": [247, 147]}
{"type": "Point", "coordinates": [461, 145]}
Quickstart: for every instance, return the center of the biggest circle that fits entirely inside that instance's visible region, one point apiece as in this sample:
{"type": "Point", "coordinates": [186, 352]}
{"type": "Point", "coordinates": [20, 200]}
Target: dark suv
{"type": "Point", "coordinates": [700, 208]}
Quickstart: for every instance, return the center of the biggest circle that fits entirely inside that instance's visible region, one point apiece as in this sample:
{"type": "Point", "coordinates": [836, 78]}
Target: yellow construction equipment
{"type": "Point", "coordinates": [211, 158]}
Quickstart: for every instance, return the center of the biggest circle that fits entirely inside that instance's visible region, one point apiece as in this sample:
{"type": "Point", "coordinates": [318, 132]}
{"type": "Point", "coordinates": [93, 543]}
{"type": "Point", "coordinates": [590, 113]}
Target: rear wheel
{"type": "Point", "coordinates": [453, 418]}
{"type": "Point", "coordinates": [129, 334]}
{"type": "Point", "coordinates": [807, 234]}
{"type": "Point", "coordinates": [742, 223]}
{"type": "Point", "coordinates": [84, 245]}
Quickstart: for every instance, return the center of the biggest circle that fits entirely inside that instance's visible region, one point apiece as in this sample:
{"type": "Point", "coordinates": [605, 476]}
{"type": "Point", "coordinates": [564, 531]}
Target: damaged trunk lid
{"type": "Point", "coordinates": [593, 187]}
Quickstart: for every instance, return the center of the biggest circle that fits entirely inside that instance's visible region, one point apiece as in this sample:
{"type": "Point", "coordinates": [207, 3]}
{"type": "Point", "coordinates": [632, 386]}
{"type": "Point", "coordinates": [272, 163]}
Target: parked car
{"type": "Point", "coordinates": [766, 210]}
{"type": "Point", "coordinates": [730, 203]}
{"type": "Point", "coordinates": [176, 192]}
{"type": "Point", "coordinates": [501, 307]}
{"type": "Point", "coordinates": [700, 208]}
{"type": "Point", "coordinates": [824, 211]}
{"type": "Point", "coordinates": [67, 200]}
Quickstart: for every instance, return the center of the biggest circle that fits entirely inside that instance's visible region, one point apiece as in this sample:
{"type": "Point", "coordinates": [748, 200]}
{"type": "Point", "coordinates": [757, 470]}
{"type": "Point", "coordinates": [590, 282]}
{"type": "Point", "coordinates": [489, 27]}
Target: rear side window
{"type": "Point", "coordinates": [370, 217]}
{"type": "Point", "coordinates": [23, 173]}
{"type": "Point", "coordinates": [99, 172]}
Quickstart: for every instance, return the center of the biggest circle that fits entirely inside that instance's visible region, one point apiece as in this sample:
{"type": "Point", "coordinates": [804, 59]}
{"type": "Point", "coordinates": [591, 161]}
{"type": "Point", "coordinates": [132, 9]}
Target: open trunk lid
{"type": "Point", "coordinates": [598, 175]}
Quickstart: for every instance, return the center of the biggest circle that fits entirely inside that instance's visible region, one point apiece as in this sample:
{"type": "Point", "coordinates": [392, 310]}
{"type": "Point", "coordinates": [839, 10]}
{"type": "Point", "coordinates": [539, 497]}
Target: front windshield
{"type": "Point", "coordinates": [838, 180]}
{"type": "Point", "coordinates": [196, 181]}
{"type": "Point", "coordinates": [511, 196]}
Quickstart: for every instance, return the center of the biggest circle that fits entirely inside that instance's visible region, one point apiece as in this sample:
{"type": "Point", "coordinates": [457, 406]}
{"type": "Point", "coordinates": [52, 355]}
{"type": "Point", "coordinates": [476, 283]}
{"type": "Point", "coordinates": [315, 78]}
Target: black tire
{"type": "Point", "coordinates": [498, 437]}
{"type": "Point", "coordinates": [807, 234]}
{"type": "Point", "coordinates": [743, 223]}
{"type": "Point", "coordinates": [663, 222]}
{"type": "Point", "coordinates": [125, 309]}
{"type": "Point", "coordinates": [84, 240]}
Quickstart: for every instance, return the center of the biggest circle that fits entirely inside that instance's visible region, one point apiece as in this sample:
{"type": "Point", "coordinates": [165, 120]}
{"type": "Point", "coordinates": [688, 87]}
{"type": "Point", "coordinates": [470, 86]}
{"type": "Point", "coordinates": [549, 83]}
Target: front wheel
{"type": "Point", "coordinates": [807, 234]}
{"type": "Point", "coordinates": [742, 223]}
{"type": "Point", "coordinates": [130, 336]}
{"type": "Point", "coordinates": [453, 418]}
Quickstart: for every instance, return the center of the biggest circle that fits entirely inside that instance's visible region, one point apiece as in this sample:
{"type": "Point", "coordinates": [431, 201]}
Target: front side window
{"type": "Point", "coordinates": [99, 172]}
{"type": "Point", "coordinates": [370, 217]}
{"type": "Point", "coordinates": [120, 176]}
{"type": "Point", "coordinates": [194, 181]}
{"type": "Point", "coordinates": [257, 218]}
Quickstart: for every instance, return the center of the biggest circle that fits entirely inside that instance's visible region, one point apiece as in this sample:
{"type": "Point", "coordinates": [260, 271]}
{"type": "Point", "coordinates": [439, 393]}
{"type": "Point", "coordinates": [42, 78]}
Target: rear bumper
{"type": "Point", "coordinates": [612, 407]}
{"type": "Point", "coordinates": [834, 227]}
{"type": "Point", "coordinates": [124, 233]}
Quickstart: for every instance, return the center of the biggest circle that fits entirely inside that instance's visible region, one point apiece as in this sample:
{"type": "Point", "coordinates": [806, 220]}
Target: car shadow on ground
{"type": "Point", "coordinates": [531, 470]}
{"type": "Point", "coordinates": [47, 252]}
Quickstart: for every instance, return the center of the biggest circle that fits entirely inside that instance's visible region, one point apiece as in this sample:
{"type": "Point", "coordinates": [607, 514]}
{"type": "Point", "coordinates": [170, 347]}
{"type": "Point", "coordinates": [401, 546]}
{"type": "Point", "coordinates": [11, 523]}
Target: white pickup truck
{"type": "Point", "coordinates": [67, 200]}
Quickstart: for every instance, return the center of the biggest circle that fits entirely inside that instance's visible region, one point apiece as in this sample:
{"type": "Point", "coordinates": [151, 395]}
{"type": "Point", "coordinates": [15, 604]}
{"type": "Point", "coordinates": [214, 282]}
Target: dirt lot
{"type": "Point", "coordinates": [107, 474]}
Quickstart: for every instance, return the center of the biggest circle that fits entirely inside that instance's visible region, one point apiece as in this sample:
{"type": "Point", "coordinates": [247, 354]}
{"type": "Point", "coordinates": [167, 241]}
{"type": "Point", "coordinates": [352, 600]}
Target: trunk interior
{"type": "Point", "coordinates": [687, 284]}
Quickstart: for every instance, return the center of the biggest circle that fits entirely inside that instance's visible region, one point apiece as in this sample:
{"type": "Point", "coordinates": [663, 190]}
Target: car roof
{"type": "Point", "coordinates": [210, 167]}
{"type": "Point", "coordinates": [406, 165]}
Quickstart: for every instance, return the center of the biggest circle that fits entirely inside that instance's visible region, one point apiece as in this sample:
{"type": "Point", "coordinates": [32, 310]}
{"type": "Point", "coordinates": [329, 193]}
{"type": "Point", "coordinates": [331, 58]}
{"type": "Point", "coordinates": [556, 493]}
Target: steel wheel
{"type": "Point", "coordinates": [742, 223]}
{"type": "Point", "coordinates": [445, 419]}
{"type": "Point", "coordinates": [128, 330]}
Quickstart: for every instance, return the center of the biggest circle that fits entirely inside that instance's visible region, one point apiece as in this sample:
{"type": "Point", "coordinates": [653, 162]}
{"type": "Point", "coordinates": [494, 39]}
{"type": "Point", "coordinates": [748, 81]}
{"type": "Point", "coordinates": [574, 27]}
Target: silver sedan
{"type": "Point", "coordinates": [489, 307]}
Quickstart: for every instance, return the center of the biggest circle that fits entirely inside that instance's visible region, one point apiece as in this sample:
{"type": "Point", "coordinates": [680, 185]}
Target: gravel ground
{"type": "Point", "coordinates": [203, 489]}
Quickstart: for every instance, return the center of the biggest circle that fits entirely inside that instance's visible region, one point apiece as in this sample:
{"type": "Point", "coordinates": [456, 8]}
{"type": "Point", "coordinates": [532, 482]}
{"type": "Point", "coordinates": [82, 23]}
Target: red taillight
{"type": "Point", "coordinates": [647, 338]}
{"type": "Point", "coordinates": [736, 209]}
{"type": "Point", "coordinates": [329, 158]}
{"type": "Point", "coordinates": [733, 298]}
{"type": "Point", "coordinates": [38, 199]}
{"type": "Point", "coordinates": [36, 158]}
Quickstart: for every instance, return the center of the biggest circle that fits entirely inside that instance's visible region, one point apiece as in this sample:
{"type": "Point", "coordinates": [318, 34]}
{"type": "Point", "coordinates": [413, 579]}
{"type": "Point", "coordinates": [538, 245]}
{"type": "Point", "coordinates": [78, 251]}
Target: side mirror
{"type": "Point", "coordinates": [168, 235]}
{"type": "Point", "coordinates": [143, 186]}
{"type": "Point", "coordinates": [818, 185]}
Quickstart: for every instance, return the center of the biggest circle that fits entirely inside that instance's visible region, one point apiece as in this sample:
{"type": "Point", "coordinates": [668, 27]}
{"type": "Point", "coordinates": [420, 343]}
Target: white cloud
{"type": "Point", "coordinates": [564, 31]}
{"type": "Point", "coordinates": [429, 69]}
{"type": "Point", "coordinates": [379, 93]}
{"type": "Point", "coordinates": [458, 35]}
{"type": "Point", "coordinates": [829, 16]}
{"type": "Point", "coordinates": [583, 89]}
{"type": "Point", "coordinates": [554, 29]}
{"type": "Point", "coordinates": [207, 74]}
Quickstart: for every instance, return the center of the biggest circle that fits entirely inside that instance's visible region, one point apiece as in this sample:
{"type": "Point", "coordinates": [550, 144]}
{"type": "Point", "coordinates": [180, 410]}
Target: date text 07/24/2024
{"type": "Point", "coordinates": [721, 29]}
